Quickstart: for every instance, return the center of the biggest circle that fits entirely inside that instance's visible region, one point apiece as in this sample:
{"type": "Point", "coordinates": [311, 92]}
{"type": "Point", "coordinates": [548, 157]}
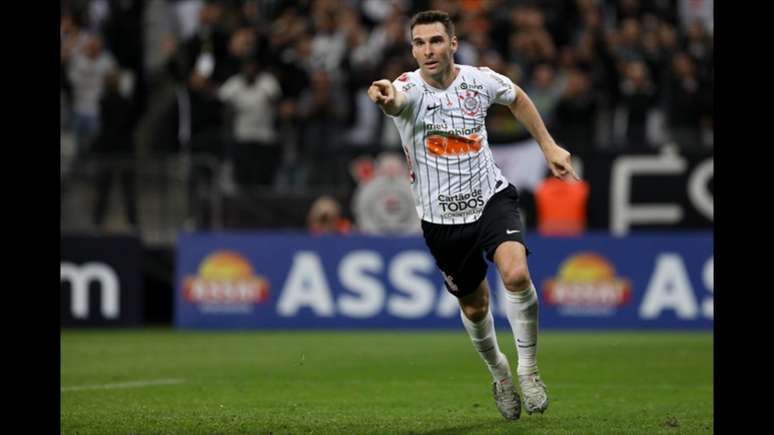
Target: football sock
{"type": "Point", "coordinates": [484, 339]}
{"type": "Point", "coordinates": [522, 311]}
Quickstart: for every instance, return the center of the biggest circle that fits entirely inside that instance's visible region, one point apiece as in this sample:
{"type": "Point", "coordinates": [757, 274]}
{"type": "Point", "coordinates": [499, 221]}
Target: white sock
{"type": "Point", "coordinates": [522, 311]}
{"type": "Point", "coordinates": [484, 339]}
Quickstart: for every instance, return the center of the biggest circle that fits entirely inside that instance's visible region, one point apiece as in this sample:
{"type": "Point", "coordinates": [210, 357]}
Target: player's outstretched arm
{"type": "Point", "coordinates": [389, 99]}
{"type": "Point", "coordinates": [557, 157]}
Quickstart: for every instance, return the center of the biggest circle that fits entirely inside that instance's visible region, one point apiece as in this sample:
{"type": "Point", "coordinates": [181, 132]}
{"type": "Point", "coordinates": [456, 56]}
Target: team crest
{"type": "Point", "coordinates": [470, 103]}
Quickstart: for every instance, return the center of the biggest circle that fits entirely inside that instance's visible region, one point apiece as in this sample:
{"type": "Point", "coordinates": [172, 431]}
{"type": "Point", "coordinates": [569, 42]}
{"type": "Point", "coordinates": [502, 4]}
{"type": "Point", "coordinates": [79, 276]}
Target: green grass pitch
{"type": "Point", "coordinates": [163, 381]}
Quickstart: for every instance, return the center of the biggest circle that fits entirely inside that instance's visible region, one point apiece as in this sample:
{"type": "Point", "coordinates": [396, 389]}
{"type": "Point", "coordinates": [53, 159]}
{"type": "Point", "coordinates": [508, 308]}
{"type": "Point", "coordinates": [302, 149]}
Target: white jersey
{"type": "Point", "coordinates": [443, 132]}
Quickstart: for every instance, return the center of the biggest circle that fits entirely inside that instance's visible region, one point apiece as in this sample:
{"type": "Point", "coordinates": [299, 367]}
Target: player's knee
{"type": "Point", "coordinates": [477, 308]}
{"type": "Point", "coordinates": [516, 279]}
{"type": "Point", "coordinates": [475, 313]}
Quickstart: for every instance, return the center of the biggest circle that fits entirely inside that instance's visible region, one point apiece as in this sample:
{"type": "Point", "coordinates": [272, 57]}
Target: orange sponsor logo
{"type": "Point", "coordinates": [453, 145]}
{"type": "Point", "coordinates": [587, 280]}
{"type": "Point", "coordinates": [226, 277]}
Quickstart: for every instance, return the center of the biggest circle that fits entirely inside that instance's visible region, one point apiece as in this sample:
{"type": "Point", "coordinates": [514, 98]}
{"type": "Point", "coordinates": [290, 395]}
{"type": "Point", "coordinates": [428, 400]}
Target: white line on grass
{"type": "Point", "coordinates": [637, 387]}
{"type": "Point", "coordinates": [134, 384]}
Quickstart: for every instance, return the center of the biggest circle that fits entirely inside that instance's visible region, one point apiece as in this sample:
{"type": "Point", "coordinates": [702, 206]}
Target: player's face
{"type": "Point", "coordinates": [433, 49]}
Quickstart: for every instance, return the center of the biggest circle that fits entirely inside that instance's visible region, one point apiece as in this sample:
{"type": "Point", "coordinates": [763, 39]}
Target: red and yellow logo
{"type": "Point", "coordinates": [587, 280]}
{"type": "Point", "coordinates": [453, 145]}
{"type": "Point", "coordinates": [225, 277]}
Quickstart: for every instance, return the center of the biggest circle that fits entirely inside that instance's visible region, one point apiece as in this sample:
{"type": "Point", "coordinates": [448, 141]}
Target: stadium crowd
{"type": "Point", "coordinates": [277, 87]}
{"type": "Point", "coordinates": [275, 90]}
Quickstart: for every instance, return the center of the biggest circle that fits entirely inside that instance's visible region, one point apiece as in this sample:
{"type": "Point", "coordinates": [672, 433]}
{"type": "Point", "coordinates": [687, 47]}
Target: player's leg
{"type": "Point", "coordinates": [479, 323]}
{"type": "Point", "coordinates": [521, 306]}
{"type": "Point", "coordinates": [464, 273]}
{"type": "Point", "coordinates": [521, 301]}
{"type": "Point", "coordinates": [502, 238]}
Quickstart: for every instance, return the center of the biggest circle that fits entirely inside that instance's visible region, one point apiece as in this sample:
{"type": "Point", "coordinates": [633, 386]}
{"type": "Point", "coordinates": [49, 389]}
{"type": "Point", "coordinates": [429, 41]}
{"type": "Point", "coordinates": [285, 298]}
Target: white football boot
{"type": "Point", "coordinates": [534, 391]}
{"type": "Point", "coordinates": [506, 398]}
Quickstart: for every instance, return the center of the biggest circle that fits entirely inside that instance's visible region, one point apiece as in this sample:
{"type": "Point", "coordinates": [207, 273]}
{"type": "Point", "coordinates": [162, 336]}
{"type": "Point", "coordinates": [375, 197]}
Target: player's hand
{"type": "Point", "coordinates": [559, 163]}
{"type": "Point", "coordinates": [382, 92]}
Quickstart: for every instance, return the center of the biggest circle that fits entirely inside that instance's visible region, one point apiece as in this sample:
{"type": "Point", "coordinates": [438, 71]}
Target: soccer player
{"type": "Point", "coordinates": [465, 204]}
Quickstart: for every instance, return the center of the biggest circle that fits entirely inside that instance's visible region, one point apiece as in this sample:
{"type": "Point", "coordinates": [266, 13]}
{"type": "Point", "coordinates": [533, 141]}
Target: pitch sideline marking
{"type": "Point", "coordinates": [638, 387]}
{"type": "Point", "coordinates": [133, 384]}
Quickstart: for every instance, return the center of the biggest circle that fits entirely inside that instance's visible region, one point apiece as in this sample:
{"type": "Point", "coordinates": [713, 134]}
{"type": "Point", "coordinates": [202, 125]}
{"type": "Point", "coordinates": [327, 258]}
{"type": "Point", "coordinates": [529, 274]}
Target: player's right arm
{"type": "Point", "coordinates": [389, 99]}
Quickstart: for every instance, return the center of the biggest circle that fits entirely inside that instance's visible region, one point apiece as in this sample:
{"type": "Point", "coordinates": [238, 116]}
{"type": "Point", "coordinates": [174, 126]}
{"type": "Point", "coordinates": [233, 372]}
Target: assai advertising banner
{"type": "Point", "coordinates": [297, 281]}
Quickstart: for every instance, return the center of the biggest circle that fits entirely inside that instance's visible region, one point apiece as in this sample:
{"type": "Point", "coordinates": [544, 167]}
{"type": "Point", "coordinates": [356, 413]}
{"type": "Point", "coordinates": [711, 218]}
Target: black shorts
{"type": "Point", "coordinates": [458, 249]}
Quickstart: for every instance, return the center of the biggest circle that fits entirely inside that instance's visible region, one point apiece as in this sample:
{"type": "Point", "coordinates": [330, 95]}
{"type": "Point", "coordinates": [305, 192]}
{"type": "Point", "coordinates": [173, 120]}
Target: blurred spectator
{"type": "Point", "coordinates": [329, 41]}
{"type": "Point", "coordinates": [72, 40]}
{"type": "Point", "coordinates": [87, 69]}
{"type": "Point", "coordinates": [322, 110]}
{"type": "Point", "coordinates": [473, 36]}
{"type": "Point", "coordinates": [691, 11]}
{"type": "Point", "coordinates": [638, 99]}
{"type": "Point", "coordinates": [575, 114]}
{"type": "Point", "coordinates": [684, 103]}
{"type": "Point", "coordinates": [360, 59]}
{"type": "Point", "coordinates": [393, 67]}
{"type": "Point", "coordinates": [627, 48]}
{"type": "Point", "coordinates": [295, 65]}
{"type": "Point", "coordinates": [389, 39]}
{"type": "Point", "coordinates": [501, 125]}
{"type": "Point", "coordinates": [186, 16]}
{"type": "Point", "coordinates": [699, 46]}
{"type": "Point", "coordinates": [325, 217]}
{"type": "Point", "coordinates": [123, 32]}
{"type": "Point", "coordinates": [384, 204]}
{"type": "Point", "coordinates": [293, 74]}
{"type": "Point", "coordinates": [561, 207]}
{"type": "Point", "coordinates": [253, 95]}
{"type": "Point", "coordinates": [628, 9]}
{"type": "Point", "coordinates": [667, 38]}
{"type": "Point", "coordinates": [376, 11]}
{"type": "Point", "coordinates": [544, 90]}
{"type": "Point", "coordinates": [115, 142]}
{"type": "Point", "coordinates": [652, 56]}
{"type": "Point", "coordinates": [98, 11]}
{"type": "Point", "coordinates": [530, 43]}
{"type": "Point", "coordinates": [365, 129]}
{"type": "Point", "coordinates": [287, 28]}
{"type": "Point", "coordinates": [498, 13]}
{"type": "Point", "coordinates": [196, 112]}
{"type": "Point", "coordinates": [206, 50]}
{"type": "Point", "coordinates": [242, 46]}
{"type": "Point", "coordinates": [201, 122]}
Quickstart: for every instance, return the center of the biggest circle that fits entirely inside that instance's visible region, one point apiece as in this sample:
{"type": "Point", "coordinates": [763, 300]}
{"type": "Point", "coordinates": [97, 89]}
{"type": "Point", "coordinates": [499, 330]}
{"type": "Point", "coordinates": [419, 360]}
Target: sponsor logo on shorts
{"type": "Point", "coordinates": [587, 286]}
{"type": "Point", "coordinates": [461, 204]}
{"type": "Point", "coordinates": [226, 283]}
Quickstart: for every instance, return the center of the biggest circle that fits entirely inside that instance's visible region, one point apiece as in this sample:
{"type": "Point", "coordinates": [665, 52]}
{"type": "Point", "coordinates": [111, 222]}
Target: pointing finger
{"type": "Point", "coordinates": [574, 175]}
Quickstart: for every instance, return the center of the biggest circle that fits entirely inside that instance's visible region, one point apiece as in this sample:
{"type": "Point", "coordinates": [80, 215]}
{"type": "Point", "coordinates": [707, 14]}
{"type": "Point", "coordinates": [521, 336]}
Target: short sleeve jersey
{"type": "Point", "coordinates": [443, 133]}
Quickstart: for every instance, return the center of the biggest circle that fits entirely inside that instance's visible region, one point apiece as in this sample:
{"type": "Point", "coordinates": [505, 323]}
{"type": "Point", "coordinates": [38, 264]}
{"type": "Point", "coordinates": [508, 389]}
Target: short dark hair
{"type": "Point", "coordinates": [429, 17]}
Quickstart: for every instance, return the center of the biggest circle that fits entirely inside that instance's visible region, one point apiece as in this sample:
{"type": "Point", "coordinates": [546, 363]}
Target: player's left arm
{"type": "Point", "coordinates": [557, 157]}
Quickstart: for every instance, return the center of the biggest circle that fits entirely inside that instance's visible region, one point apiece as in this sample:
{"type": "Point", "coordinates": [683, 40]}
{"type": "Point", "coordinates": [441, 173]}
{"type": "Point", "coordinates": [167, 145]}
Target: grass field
{"type": "Point", "coordinates": [162, 381]}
